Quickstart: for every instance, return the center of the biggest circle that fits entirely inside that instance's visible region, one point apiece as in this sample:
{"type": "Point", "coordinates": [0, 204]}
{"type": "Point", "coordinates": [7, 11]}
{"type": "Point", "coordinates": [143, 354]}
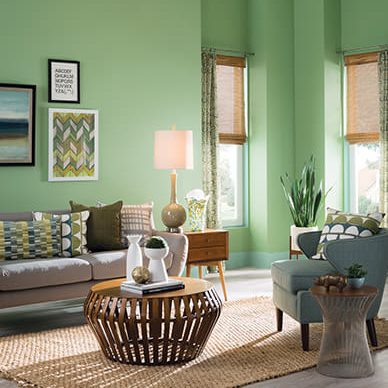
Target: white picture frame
{"type": "Point", "coordinates": [73, 145]}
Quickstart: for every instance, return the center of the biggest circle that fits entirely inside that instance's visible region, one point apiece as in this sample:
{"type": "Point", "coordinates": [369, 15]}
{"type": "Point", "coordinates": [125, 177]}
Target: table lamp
{"type": "Point", "coordinates": [173, 149]}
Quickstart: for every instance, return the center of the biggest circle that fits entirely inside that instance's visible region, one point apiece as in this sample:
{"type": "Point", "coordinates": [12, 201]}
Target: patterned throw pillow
{"type": "Point", "coordinates": [29, 239]}
{"type": "Point", "coordinates": [73, 231]}
{"type": "Point", "coordinates": [135, 219]}
{"type": "Point", "coordinates": [341, 225]}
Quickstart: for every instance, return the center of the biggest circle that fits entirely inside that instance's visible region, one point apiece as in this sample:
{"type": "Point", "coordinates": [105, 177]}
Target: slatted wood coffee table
{"type": "Point", "coordinates": [157, 329]}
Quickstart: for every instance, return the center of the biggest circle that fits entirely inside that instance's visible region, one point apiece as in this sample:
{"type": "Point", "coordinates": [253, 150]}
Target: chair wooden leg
{"type": "Point", "coordinates": [305, 336]}
{"type": "Point", "coordinates": [188, 270]}
{"type": "Point", "coordinates": [279, 319]}
{"type": "Point", "coordinates": [200, 274]}
{"type": "Point", "coordinates": [370, 324]}
{"type": "Point", "coordinates": [221, 273]}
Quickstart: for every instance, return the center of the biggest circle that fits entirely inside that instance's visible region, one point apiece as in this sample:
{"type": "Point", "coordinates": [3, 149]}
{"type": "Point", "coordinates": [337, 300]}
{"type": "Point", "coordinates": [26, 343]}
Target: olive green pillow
{"type": "Point", "coordinates": [103, 226]}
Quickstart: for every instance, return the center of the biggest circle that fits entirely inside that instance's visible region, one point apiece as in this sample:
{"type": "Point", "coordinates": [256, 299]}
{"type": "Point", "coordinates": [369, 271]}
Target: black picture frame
{"type": "Point", "coordinates": [15, 129]}
{"type": "Point", "coordinates": [54, 65]}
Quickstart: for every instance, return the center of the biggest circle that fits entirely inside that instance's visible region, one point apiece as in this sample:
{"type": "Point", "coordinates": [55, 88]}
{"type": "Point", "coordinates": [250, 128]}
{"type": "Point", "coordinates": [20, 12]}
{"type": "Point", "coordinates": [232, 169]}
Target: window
{"type": "Point", "coordinates": [232, 137]}
{"type": "Point", "coordinates": [362, 131]}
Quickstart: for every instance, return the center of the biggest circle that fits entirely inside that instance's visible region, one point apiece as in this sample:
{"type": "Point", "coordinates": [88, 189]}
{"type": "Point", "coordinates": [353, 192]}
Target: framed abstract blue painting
{"type": "Point", "coordinates": [17, 125]}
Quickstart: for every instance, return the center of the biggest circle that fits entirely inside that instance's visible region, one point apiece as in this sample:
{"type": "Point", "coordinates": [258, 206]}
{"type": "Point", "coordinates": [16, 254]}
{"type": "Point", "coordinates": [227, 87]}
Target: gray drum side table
{"type": "Point", "coordinates": [344, 346]}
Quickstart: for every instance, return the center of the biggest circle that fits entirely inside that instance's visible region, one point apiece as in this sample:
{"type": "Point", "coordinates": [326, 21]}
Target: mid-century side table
{"type": "Point", "coordinates": [209, 247]}
{"type": "Point", "coordinates": [344, 347]}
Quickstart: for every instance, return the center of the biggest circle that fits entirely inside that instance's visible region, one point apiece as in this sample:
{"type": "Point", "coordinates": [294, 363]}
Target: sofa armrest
{"type": "Point", "coordinates": [179, 246]}
{"type": "Point", "coordinates": [308, 242]}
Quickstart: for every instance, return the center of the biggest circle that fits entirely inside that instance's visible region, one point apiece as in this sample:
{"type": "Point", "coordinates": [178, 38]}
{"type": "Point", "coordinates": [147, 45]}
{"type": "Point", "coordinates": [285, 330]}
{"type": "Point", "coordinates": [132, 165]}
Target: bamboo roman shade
{"type": "Point", "coordinates": [363, 117]}
{"type": "Point", "coordinates": [230, 99]}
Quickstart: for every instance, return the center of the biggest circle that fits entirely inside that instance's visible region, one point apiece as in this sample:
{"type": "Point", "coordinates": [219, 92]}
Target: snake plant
{"type": "Point", "coordinates": [303, 195]}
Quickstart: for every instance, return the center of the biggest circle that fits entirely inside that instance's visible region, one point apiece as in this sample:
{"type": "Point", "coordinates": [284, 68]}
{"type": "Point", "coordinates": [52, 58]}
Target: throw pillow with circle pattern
{"type": "Point", "coordinates": [340, 225]}
{"type": "Point", "coordinates": [73, 231]}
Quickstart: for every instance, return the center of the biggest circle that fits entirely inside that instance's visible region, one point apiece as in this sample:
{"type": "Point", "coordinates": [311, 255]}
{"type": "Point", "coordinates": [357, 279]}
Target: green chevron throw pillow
{"type": "Point", "coordinates": [73, 231]}
{"type": "Point", "coordinates": [340, 225]}
{"type": "Point", "coordinates": [29, 239]}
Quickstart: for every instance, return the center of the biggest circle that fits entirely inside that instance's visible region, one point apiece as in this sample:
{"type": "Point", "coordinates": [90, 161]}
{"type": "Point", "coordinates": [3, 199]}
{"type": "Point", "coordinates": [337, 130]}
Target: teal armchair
{"type": "Point", "coordinates": [292, 279]}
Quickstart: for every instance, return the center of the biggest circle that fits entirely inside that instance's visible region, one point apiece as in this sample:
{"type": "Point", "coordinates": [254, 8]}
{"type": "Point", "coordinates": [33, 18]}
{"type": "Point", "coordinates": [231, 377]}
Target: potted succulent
{"type": "Point", "coordinates": [356, 275]}
{"type": "Point", "coordinates": [304, 198]}
{"type": "Point", "coordinates": [156, 249]}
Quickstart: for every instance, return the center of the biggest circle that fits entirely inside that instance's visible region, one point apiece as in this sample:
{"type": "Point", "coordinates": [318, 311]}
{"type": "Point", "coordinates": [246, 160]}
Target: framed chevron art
{"type": "Point", "coordinates": [73, 145]}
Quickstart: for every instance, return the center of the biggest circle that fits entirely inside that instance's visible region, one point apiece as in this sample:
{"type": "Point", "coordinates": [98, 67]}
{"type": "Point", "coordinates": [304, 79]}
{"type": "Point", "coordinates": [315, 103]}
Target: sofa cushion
{"type": "Point", "coordinates": [29, 239]}
{"type": "Point", "coordinates": [103, 226]}
{"type": "Point", "coordinates": [73, 231]}
{"type": "Point", "coordinates": [294, 276]}
{"type": "Point", "coordinates": [35, 273]}
{"type": "Point", "coordinates": [112, 264]}
{"type": "Point", "coordinates": [135, 220]}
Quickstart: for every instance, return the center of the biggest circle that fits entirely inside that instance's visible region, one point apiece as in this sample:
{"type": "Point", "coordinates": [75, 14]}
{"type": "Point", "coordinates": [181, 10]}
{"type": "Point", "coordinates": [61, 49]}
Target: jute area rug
{"type": "Point", "coordinates": [244, 348]}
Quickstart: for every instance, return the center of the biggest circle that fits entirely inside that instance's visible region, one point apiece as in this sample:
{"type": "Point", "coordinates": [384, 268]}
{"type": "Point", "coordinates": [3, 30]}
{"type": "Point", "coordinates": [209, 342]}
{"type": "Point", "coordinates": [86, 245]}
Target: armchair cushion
{"type": "Point", "coordinates": [294, 276]}
{"type": "Point", "coordinates": [341, 226]}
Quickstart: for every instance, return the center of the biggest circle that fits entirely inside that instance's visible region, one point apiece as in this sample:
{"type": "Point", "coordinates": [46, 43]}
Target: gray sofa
{"type": "Point", "coordinates": [43, 280]}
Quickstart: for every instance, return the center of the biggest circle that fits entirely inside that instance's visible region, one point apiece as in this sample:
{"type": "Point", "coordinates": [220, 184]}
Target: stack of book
{"type": "Point", "coordinates": [152, 287]}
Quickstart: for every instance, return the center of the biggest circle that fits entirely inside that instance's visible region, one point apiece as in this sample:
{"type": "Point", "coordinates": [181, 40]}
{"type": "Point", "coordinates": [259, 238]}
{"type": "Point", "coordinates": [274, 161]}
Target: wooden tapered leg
{"type": "Point", "coordinates": [188, 270]}
{"type": "Point", "coordinates": [200, 271]}
{"type": "Point", "coordinates": [370, 324]}
{"type": "Point", "coordinates": [305, 336]}
{"type": "Point", "coordinates": [221, 273]}
{"type": "Point", "coordinates": [279, 319]}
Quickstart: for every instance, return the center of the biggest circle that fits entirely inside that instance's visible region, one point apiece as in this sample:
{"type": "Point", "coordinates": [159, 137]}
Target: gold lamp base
{"type": "Point", "coordinates": [173, 214]}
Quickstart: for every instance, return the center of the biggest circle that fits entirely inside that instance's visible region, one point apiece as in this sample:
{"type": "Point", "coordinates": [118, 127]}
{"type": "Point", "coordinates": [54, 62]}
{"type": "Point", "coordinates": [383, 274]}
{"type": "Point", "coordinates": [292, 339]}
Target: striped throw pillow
{"type": "Point", "coordinates": [72, 231]}
{"type": "Point", "coordinates": [29, 239]}
{"type": "Point", "coordinates": [135, 220]}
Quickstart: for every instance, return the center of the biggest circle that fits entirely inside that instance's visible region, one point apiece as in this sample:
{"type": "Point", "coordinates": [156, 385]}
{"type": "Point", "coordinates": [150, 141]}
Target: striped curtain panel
{"type": "Point", "coordinates": [383, 83]}
{"type": "Point", "coordinates": [210, 137]}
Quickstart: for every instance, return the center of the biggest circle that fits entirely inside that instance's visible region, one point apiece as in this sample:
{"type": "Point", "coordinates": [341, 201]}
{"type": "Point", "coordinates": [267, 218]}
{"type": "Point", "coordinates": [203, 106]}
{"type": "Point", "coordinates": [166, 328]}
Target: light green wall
{"type": "Point", "coordinates": [140, 67]}
{"type": "Point", "coordinates": [318, 93]}
{"type": "Point", "coordinates": [364, 23]}
{"type": "Point", "coordinates": [271, 90]}
{"type": "Point", "coordinates": [224, 24]}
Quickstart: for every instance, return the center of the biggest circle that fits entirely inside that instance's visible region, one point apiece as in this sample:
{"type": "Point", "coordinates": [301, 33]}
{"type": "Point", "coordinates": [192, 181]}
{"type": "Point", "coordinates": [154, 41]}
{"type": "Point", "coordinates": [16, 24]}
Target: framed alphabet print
{"type": "Point", "coordinates": [17, 125]}
{"type": "Point", "coordinates": [64, 81]}
{"type": "Point", "coordinates": [73, 145]}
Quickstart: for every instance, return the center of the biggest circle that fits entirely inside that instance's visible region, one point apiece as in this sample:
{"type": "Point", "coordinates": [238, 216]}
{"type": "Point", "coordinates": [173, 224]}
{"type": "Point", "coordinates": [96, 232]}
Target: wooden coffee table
{"type": "Point", "coordinates": [156, 329]}
{"type": "Point", "coordinates": [344, 347]}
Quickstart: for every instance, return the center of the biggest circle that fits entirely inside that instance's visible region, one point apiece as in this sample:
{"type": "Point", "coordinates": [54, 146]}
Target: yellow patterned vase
{"type": "Point", "coordinates": [197, 213]}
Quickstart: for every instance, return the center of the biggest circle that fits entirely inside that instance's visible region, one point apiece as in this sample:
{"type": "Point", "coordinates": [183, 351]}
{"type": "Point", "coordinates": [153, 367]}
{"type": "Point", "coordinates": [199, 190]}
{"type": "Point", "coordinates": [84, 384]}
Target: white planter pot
{"type": "Point", "coordinates": [157, 267]}
{"type": "Point", "coordinates": [134, 256]}
{"type": "Point", "coordinates": [295, 231]}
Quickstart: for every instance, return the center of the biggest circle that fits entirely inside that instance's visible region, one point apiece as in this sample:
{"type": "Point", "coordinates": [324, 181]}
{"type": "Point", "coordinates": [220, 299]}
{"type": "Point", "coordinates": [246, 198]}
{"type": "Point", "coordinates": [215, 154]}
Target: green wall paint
{"type": "Point", "coordinates": [271, 91]}
{"type": "Point", "coordinates": [224, 24]}
{"type": "Point", "coordinates": [364, 23]}
{"type": "Point", "coordinates": [140, 67]}
{"type": "Point", "coordinates": [318, 93]}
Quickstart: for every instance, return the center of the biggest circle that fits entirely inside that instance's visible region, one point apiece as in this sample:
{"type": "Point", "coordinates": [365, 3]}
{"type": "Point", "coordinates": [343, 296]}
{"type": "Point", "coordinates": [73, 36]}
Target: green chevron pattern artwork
{"type": "Point", "coordinates": [73, 144]}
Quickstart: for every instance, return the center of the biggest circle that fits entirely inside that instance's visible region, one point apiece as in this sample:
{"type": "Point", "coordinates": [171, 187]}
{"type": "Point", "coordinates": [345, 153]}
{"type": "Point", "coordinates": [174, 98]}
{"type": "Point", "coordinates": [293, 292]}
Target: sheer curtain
{"type": "Point", "coordinates": [383, 82]}
{"type": "Point", "coordinates": [210, 136]}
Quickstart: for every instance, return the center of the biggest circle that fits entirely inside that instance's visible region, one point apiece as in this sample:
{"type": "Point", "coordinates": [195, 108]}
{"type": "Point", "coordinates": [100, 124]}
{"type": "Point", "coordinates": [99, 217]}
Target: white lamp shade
{"type": "Point", "coordinates": [173, 149]}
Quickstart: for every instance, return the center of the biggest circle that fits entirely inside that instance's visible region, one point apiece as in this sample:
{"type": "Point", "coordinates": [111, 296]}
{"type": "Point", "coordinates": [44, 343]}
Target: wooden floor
{"type": "Point", "coordinates": [241, 284]}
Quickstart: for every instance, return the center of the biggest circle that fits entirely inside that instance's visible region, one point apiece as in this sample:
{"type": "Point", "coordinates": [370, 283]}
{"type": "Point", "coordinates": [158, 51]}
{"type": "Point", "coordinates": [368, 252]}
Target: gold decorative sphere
{"type": "Point", "coordinates": [141, 275]}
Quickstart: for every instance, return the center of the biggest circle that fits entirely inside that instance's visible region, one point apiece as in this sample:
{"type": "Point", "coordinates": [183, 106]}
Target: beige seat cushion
{"type": "Point", "coordinates": [112, 264]}
{"type": "Point", "coordinates": [35, 273]}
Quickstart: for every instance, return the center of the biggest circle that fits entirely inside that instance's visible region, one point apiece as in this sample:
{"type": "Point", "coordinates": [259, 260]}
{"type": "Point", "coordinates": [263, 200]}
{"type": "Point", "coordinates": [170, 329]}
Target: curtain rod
{"type": "Point", "coordinates": [363, 49]}
{"type": "Point", "coordinates": [245, 53]}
